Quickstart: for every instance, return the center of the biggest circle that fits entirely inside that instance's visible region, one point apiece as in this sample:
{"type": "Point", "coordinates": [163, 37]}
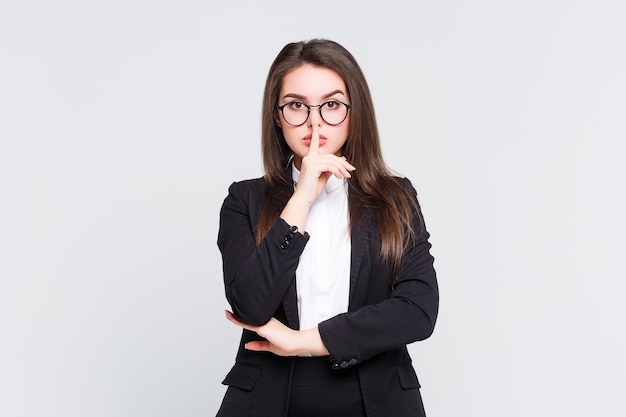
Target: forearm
{"type": "Point", "coordinates": [311, 343]}
{"type": "Point", "coordinates": [296, 212]}
{"type": "Point", "coordinates": [257, 278]}
{"type": "Point", "coordinates": [408, 315]}
{"type": "Point", "coordinates": [255, 290]}
{"type": "Point", "coordinates": [257, 286]}
{"type": "Point", "coordinates": [373, 329]}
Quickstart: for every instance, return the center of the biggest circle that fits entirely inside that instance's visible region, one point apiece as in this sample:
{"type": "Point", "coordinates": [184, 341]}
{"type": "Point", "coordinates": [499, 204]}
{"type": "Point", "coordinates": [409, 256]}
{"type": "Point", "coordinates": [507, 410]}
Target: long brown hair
{"type": "Point", "coordinates": [372, 187]}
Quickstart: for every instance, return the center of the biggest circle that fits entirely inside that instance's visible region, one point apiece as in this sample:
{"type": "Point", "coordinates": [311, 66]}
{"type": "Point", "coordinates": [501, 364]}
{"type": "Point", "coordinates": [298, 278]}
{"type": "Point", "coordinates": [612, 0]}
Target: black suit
{"type": "Point", "coordinates": [381, 319]}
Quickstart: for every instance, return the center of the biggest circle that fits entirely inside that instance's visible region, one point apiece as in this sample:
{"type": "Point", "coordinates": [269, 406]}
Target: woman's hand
{"type": "Point", "coordinates": [316, 169]}
{"type": "Point", "coordinates": [314, 173]}
{"type": "Point", "coordinates": [282, 340]}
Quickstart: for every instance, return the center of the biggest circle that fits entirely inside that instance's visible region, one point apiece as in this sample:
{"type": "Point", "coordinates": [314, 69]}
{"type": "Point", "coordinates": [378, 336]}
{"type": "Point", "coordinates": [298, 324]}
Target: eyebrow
{"type": "Point", "coordinates": [325, 96]}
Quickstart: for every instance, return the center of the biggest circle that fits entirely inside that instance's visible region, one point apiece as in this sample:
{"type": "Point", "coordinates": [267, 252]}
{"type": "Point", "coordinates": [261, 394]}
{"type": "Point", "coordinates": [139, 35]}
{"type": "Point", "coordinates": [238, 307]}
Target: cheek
{"type": "Point", "coordinates": [344, 133]}
{"type": "Point", "coordinates": [293, 137]}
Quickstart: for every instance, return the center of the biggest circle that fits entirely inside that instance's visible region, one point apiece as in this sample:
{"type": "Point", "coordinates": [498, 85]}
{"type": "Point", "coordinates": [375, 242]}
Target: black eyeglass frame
{"type": "Point", "coordinates": [308, 111]}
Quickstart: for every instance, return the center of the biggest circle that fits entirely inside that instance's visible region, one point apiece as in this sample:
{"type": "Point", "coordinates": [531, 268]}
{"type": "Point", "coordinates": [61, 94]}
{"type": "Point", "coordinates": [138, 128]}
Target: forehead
{"type": "Point", "coordinates": [311, 82]}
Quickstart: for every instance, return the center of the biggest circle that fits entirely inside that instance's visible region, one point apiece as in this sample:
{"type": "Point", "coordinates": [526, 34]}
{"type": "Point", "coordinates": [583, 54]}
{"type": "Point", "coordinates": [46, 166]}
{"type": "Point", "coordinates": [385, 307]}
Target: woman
{"type": "Point", "coordinates": [326, 258]}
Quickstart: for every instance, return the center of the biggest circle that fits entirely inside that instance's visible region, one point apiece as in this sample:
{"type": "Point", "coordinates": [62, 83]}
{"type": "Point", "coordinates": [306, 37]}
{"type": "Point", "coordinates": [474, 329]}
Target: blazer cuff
{"type": "Point", "coordinates": [336, 337]}
{"type": "Point", "coordinates": [289, 237]}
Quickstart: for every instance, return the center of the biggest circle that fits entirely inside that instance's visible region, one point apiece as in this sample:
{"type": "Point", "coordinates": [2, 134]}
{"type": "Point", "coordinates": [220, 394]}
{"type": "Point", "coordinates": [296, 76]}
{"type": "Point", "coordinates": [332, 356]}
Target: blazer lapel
{"type": "Point", "coordinates": [290, 305]}
{"type": "Point", "coordinates": [360, 245]}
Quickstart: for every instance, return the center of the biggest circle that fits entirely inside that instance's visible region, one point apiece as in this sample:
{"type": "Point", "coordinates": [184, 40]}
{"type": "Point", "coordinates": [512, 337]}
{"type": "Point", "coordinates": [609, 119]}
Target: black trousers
{"type": "Point", "coordinates": [319, 391]}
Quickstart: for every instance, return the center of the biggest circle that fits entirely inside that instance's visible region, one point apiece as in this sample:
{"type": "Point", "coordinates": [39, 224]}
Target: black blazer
{"type": "Point", "coordinates": [382, 317]}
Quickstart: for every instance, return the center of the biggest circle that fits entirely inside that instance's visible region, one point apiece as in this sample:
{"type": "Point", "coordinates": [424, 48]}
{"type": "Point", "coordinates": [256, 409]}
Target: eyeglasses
{"type": "Point", "coordinates": [296, 113]}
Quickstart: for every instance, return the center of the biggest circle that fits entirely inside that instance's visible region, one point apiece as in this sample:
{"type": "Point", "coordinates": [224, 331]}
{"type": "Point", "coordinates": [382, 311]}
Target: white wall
{"type": "Point", "coordinates": [122, 123]}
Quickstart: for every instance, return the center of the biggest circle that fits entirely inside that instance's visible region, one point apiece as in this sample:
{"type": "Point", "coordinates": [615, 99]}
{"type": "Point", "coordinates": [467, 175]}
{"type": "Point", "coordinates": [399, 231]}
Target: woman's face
{"type": "Point", "coordinates": [313, 85]}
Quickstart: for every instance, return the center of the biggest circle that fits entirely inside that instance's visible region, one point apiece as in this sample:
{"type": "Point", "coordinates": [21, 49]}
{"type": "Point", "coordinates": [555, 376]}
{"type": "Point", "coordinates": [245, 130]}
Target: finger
{"type": "Point", "coordinates": [230, 317]}
{"type": "Point", "coordinates": [258, 346]}
{"type": "Point", "coordinates": [340, 168]}
{"type": "Point", "coordinates": [343, 170]}
{"type": "Point", "coordinates": [315, 140]}
{"type": "Point", "coordinates": [347, 164]}
{"type": "Point", "coordinates": [346, 170]}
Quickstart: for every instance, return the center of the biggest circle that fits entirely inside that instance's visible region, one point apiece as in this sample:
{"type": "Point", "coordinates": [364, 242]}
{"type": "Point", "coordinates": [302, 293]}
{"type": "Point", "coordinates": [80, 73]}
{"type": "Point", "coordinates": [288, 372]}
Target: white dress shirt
{"type": "Point", "coordinates": [323, 273]}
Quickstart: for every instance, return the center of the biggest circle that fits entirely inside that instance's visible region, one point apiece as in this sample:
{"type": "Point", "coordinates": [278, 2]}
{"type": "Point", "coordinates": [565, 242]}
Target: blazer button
{"type": "Point", "coordinates": [344, 365]}
{"type": "Point", "coordinates": [352, 362]}
{"type": "Point", "coordinates": [286, 239]}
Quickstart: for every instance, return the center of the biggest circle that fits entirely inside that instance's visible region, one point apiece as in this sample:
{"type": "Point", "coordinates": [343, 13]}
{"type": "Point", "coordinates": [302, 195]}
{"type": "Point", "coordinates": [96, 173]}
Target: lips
{"type": "Point", "coordinates": [307, 139]}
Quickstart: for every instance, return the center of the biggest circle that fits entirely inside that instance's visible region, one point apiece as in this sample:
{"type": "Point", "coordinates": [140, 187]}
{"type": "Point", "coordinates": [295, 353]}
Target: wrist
{"type": "Point", "coordinates": [296, 213]}
{"type": "Point", "coordinates": [300, 201]}
{"type": "Point", "coordinates": [311, 343]}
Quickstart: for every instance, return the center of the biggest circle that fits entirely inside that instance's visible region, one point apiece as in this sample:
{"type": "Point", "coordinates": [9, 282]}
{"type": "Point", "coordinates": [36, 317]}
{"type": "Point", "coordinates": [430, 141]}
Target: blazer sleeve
{"type": "Point", "coordinates": [255, 278]}
{"type": "Point", "coordinates": [406, 316]}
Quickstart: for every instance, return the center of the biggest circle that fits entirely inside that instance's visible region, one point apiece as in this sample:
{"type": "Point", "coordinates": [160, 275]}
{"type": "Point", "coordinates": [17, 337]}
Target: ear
{"type": "Point", "coordinates": [277, 119]}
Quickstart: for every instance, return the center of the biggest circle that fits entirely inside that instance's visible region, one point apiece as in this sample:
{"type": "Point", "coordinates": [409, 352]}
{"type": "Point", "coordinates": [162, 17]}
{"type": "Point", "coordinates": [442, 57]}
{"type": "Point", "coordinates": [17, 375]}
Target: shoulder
{"type": "Point", "coordinates": [247, 192]}
{"type": "Point", "coordinates": [406, 184]}
{"type": "Point", "coordinates": [404, 181]}
{"type": "Point", "coordinates": [247, 186]}
{"type": "Point", "coordinates": [409, 193]}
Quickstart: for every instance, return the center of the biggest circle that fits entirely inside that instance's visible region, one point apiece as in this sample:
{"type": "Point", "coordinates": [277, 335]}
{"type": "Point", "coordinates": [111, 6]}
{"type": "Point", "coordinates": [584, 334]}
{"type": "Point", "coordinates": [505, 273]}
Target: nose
{"type": "Point", "coordinates": [315, 116]}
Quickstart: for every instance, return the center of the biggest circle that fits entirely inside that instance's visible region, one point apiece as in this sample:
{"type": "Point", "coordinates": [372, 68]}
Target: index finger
{"type": "Point", "coordinates": [314, 146]}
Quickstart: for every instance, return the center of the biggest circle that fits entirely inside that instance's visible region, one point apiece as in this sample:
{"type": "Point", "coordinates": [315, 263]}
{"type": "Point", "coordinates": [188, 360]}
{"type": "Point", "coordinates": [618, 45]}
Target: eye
{"type": "Point", "coordinates": [296, 105]}
{"type": "Point", "coordinates": [332, 105]}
